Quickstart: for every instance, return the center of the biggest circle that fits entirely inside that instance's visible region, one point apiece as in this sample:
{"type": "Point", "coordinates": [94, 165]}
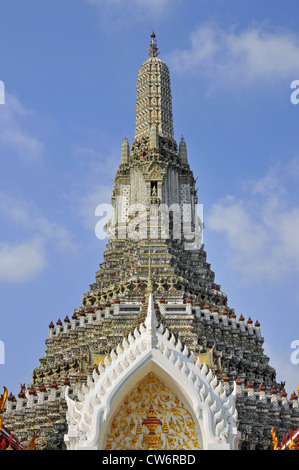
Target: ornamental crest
{"type": "Point", "coordinates": [155, 171]}
{"type": "Point", "coordinates": [152, 417]}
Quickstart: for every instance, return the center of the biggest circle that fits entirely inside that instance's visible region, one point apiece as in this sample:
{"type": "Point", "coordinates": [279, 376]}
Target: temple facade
{"type": "Point", "coordinates": [155, 357]}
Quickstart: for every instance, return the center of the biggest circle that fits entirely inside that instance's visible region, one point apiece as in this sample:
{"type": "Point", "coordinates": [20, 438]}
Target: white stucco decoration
{"type": "Point", "coordinates": [152, 349]}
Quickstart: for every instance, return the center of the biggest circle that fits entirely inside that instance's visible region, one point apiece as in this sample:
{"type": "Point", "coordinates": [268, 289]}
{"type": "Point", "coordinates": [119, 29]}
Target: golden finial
{"type": "Point", "coordinates": [2, 404]}
{"type": "Point", "coordinates": [3, 400]}
{"type": "Point", "coordinates": [153, 49]}
{"type": "Point", "coordinates": [165, 428]}
{"type": "Point", "coordinates": [32, 442]}
{"type": "Point", "coordinates": [275, 440]}
{"type": "Point", "coordinates": [138, 428]}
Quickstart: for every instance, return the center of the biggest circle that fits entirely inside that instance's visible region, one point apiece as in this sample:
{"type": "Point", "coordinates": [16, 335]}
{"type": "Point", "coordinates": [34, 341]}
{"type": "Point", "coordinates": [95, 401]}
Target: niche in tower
{"type": "Point", "coordinates": [154, 193]}
{"type": "Point", "coordinates": [154, 188]}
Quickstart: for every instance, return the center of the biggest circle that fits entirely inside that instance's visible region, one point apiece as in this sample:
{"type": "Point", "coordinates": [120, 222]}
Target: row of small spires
{"type": "Point", "coordinates": [197, 304]}
{"type": "Point", "coordinates": [66, 382]}
{"type": "Point", "coordinates": [41, 388]}
{"type": "Point", "coordinates": [262, 388]}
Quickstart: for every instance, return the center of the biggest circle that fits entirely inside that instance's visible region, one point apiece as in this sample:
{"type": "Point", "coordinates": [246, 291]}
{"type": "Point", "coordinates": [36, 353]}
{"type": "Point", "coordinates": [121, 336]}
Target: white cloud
{"type": "Point", "coordinates": [27, 216]}
{"type": "Point", "coordinates": [22, 262]}
{"type": "Point", "coordinates": [251, 55]}
{"type": "Point", "coordinates": [88, 203]}
{"type": "Point", "coordinates": [261, 230]}
{"type": "Point", "coordinates": [13, 135]}
{"type": "Point", "coordinates": [95, 184]}
{"type": "Point", "coordinates": [246, 241]}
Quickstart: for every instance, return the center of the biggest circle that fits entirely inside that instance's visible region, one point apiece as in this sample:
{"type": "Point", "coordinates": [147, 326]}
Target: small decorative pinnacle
{"type": "Point", "coordinates": [153, 49]}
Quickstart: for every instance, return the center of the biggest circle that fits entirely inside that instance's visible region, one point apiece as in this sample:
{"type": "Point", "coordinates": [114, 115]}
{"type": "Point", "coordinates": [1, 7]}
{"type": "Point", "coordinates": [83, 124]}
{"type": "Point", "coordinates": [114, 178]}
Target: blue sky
{"type": "Point", "coordinates": [69, 69]}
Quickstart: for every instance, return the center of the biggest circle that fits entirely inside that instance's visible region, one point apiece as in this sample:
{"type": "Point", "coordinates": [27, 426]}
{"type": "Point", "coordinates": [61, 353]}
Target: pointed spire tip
{"type": "Point", "coordinates": [153, 48]}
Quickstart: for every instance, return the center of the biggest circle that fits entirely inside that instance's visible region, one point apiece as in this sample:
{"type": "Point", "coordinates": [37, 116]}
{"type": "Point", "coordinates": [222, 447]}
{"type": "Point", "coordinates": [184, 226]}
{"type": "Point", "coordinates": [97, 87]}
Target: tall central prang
{"type": "Point", "coordinates": [154, 250]}
{"type": "Point", "coordinates": [154, 198]}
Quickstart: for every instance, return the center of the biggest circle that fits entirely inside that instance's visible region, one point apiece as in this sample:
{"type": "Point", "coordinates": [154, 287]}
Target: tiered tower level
{"type": "Point", "coordinates": [154, 173]}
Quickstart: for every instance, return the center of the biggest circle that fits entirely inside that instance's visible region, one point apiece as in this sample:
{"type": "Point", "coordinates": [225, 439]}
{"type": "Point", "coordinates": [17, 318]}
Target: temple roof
{"type": "Point", "coordinates": [150, 347]}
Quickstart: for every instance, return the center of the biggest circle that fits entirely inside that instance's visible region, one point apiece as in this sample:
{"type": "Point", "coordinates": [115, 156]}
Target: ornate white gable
{"type": "Point", "coordinates": [152, 350]}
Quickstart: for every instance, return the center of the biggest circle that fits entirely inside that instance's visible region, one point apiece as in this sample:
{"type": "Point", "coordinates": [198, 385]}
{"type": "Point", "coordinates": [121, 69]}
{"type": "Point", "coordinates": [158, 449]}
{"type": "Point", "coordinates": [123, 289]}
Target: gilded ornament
{"type": "Point", "coordinates": [2, 404]}
{"type": "Point", "coordinates": [166, 422]}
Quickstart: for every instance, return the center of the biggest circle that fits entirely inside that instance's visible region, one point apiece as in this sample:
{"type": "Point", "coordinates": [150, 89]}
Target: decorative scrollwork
{"type": "Point", "coordinates": [152, 417]}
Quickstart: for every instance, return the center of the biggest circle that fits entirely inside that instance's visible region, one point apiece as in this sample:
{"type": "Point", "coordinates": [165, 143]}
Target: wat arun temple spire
{"type": "Point", "coordinates": [99, 358]}
{"type": "Point", "coordinates": [154, 181]}
{"type": "Point", "coordinates": [153, 98]}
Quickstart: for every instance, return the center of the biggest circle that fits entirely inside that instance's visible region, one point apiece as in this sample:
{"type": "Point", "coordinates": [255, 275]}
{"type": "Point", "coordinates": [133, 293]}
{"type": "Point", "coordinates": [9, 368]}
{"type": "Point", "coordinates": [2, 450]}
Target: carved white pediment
{"type": "Point", "coordinates": [151, 349]}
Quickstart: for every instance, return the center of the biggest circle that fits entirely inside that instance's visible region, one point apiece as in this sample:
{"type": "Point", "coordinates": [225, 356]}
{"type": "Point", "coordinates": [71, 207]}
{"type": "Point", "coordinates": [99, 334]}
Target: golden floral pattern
{"type": "Point", "coordinates": [176, 431]}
